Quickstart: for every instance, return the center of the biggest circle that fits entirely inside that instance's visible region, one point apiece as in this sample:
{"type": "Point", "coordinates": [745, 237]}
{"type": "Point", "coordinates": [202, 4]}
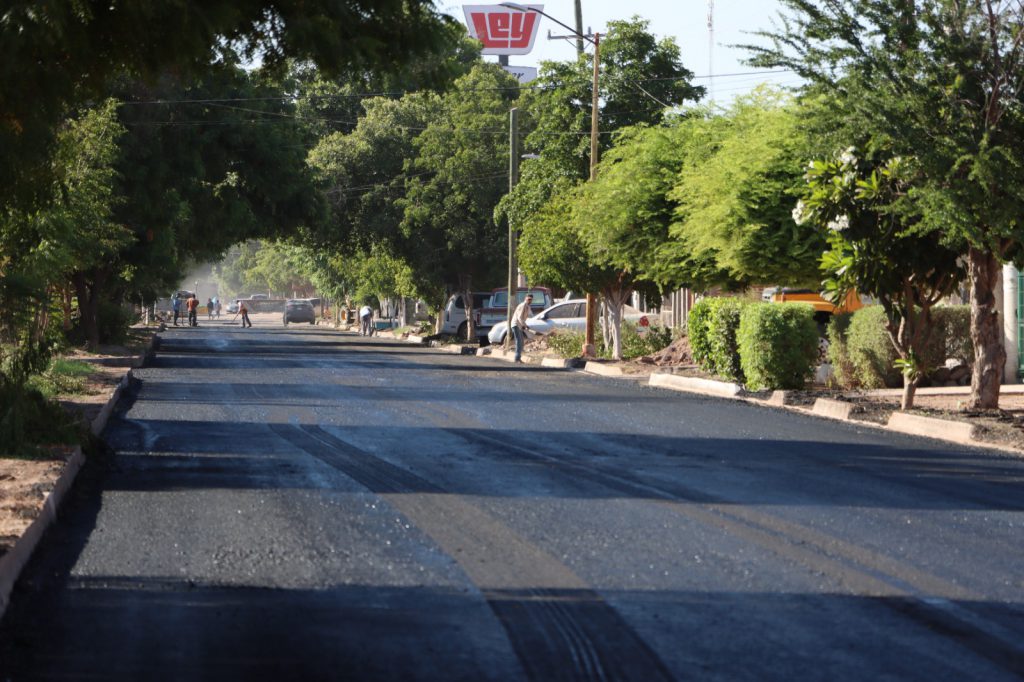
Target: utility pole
{"type": "Point", "coordinates": [711, 51]}
{"type": "Point", "coordinates": [579, 28]}
{"type": "Point", "coordinates": [589, 348]}
{"type": "Point", "coordinates": [513, 236]}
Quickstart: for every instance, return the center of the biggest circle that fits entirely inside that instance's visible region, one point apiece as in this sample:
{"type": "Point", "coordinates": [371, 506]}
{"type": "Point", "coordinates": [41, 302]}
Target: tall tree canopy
{"type": "Point", "coordinates": [938, 81]}
{"type": "Point", "coordinates": [55, 54]}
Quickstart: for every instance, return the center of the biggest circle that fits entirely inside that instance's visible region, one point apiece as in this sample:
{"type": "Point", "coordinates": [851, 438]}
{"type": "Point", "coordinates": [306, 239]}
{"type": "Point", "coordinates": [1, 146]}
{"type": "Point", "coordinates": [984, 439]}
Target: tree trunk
{"type": "Point", "coordinates": [614, 299]}
{"type": "Point", "coordinates": [465, 282]}
{"type": "Point", "coordinates": [986, 331]}
{"type": "Point", "coordinates": [909, 389]}
{"type": "Point", "coordinates": [88, 306]}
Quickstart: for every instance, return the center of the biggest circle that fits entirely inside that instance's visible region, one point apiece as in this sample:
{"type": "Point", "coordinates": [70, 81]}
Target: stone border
{"type": "Point", "coordinates": [930, 427]}
{"type": "Point", "coordinates": [12, 563]}
{"type": "Point", "coordinates": [719, 389]}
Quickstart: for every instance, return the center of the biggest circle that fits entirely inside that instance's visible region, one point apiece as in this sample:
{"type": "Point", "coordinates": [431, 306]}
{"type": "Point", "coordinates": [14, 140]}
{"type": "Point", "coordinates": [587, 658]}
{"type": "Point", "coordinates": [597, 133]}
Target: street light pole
{"type": "Point", "coordinates": [589, 349]}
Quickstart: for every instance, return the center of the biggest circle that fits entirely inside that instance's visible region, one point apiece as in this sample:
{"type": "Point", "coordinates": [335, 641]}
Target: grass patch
{"type": "Point", "coordinates": [62, 377]}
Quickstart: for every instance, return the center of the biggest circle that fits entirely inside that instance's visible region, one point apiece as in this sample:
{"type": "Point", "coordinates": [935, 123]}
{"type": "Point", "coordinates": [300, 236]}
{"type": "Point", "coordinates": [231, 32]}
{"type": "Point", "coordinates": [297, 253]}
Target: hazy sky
{"type": "Point", "coordinates": [684, 20]}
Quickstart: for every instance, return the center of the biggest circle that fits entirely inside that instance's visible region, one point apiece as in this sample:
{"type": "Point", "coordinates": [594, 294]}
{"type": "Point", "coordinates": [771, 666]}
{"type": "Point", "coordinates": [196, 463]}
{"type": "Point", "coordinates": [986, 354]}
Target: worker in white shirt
{"type": "Point", "coordinates": [519, 318]}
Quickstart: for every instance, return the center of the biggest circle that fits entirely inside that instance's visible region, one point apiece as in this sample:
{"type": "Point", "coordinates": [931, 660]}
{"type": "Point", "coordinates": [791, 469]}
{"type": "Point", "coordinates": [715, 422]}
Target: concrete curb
{"type": "Point", "coordinates": [12, 563]}
{"type": "Point", "coordinates": [929, 427]}
{"type": "Point", "coordinates": [602, 369]}
{"type": "Point", "coordinates": [100, 422]}
{"type": "Point", "coordinates": [556, 363]}
{"type": "Point", "coordinates": [833, 409]}
{"type": "Point", "coordinates": [719, 389]}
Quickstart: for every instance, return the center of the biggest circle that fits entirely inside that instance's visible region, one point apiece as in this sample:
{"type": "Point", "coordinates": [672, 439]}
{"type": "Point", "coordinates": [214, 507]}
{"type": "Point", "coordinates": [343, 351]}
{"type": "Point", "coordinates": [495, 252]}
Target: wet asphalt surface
{"type": "Point", "coordinates": [305, 504]}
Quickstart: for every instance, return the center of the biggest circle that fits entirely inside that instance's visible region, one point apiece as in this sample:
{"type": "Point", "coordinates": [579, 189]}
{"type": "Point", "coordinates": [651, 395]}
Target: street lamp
{"type": "Point", "coordinates": [589, 350]}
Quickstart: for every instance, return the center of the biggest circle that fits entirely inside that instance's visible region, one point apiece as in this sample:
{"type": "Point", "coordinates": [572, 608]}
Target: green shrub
{"type": "Point", "coordinates": [778, 345]}
{"type": "Point", "coordinates": [953, 327]}
{"type": "Point", "coordinates": [636, 344]}
{"type": "Point", "coordinates": [722, 326]}
{"type": "Point", "coordinates": [697, 329]}
{"type": "Point", "coordinates": [839, 351]}
{"type": "Point", "coordinates": [871, 351]}
{"type": "Point", "coordinates": [568, 344]}
{"type": "Point", "coordinates": [871, 354]}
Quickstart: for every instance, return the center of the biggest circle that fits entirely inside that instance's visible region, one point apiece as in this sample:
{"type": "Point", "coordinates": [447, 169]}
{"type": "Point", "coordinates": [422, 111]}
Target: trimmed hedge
{"type": "Point", "coordinates": [697, 330]}
{"type": "Point", "coordinates": [862, 354]}
{"type": "Point", "coordinates": [778, 345]}
{"type": "Point", "coordinates": [713, 323]}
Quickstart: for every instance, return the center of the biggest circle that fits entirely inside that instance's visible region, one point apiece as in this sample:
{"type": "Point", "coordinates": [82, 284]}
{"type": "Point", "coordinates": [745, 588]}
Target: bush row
{"type": "Point", "coordinates": [635, 343]}
{"type": "Point", "coordinates": [862, 354]}
{"type": "Point", "coordinates": [763, 345]}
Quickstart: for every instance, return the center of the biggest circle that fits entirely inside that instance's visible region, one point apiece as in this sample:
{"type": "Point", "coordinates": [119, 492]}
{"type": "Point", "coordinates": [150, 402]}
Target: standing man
{"type": "Point", "coordinates": [366, 321]}
{"type": "Point", "coordinates": [209, 308]}
{"type": "Point", "coordinates": [193, 310]}
{"type": "Point", "coordinates": [176, 305]}
{"type": "Point", "coordinates": [244, 312]}
{"type": "Point", "coordinates": [519, 327]}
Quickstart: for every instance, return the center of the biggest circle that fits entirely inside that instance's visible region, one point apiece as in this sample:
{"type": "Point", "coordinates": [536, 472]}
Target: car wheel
{"type": "Point", "coordinates": [312, 321]}
{"type": "Point", "coordinates": [462, 334]}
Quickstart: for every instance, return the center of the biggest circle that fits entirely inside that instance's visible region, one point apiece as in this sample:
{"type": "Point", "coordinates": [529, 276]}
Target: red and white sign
{"type": "Point", "coordinates": [503, 30]}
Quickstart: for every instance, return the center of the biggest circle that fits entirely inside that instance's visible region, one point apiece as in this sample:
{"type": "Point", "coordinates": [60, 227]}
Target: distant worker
{"type": "Point", "coordinates": [519, 326]}
{"type": "Point", "coordinates": [193, 311]}
{"type": "Point", "coordinates": [244, 312]}
{"type": "Point", "coordinates": [216, 305]}
{"type": "Point", "coordinates": [366, 321]}
{"type": "Point", "coordinates": [209, 308]}
{"type": "Point", "coordinates": [176, 305]}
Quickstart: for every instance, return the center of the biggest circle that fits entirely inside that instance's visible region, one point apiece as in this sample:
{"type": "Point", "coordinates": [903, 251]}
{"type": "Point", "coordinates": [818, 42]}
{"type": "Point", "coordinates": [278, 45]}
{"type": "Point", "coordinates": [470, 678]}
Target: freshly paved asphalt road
{"type": "Point", "coordinates": [304, 504]}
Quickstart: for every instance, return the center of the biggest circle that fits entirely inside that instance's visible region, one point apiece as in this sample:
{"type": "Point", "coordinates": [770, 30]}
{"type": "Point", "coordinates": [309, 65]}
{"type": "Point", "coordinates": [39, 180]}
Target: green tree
{"type": "Point", "coordinates": [58, 54]}
{"type": "Point", "coordinates": [741, 173]}
{"type": "Point", "coordinates": [874, 249]}
{"type": "Point", "coordinates": [939, 82]}
{"type": "Point", "coordinates": [455, 180]}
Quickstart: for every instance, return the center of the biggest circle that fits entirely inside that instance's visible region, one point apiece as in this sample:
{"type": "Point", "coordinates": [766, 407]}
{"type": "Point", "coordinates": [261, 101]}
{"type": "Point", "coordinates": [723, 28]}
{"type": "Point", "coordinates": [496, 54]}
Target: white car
{"type": "Point", "coordinates": [571, 314]}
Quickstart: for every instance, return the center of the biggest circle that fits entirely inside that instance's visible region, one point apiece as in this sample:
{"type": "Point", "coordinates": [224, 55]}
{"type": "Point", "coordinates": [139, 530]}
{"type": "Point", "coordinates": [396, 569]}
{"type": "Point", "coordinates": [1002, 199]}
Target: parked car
{"type": "Point", "coordinates": [570, 314]}
{"type": "Point", "coordinates": [453, 319]}
{"type": "Point", "coordinates": [299, 310]}
{"type": "Point", "coordinates": [497, 309]}
{"type": "Point", "coordinates": [233, 307]}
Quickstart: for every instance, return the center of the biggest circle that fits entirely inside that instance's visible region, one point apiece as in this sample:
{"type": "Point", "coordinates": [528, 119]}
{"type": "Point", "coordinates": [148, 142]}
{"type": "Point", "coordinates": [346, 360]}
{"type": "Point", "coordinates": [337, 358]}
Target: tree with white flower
{"type": "Point", "coordinates": [876, 249]}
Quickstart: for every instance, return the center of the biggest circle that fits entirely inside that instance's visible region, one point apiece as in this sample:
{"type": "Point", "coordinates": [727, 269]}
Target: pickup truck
{"type": "Point", "coordinates": [497, 309]}
{"type": "Point", "coordinates": [453, 319]}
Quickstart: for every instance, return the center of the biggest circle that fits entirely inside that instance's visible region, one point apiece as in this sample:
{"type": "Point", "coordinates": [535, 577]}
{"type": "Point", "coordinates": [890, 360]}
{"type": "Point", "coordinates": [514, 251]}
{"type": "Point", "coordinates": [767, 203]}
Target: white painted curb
{"type": "Point", "coordinates": [603, 370]}
{"type": "Point", "coordinates": [833, 409]}
{"type": "Point", "coordinates": [554, 362]}
{"type": "Point", "coordinates": [929, 427]}
{"type": "Point", "coordinates": [695, 385]}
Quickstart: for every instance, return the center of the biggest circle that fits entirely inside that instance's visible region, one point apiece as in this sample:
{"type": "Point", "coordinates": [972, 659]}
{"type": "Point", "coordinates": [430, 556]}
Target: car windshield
{"type": "Point", "coordinates": [500, 298]}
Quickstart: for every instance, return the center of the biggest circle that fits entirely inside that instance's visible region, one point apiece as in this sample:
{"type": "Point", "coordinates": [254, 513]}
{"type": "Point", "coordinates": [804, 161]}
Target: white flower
{"type": "Point", "coordinates": [839, 224]}
{"type": "Point", "coordinates": [848, 157]}
{"type": "Point", "coordinates": [800, 213]}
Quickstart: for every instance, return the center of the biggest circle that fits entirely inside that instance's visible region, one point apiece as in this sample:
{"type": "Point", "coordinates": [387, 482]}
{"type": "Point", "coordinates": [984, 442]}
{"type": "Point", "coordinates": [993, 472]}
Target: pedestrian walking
{"type": "Point", "coordinates": [193, 311]}
{"type": "Point", "coordinates": [216, 304]}
{"type": "Point", "coordinates": [519, 327]}
{"type": "Point", "coordinates": [209, 308]}
{"type": "Point", "coordinates": [366, 321]}
{"type": "Point", "coordinates": [244, 312]}
{"type": "Point", "coordinates": [176, 305]}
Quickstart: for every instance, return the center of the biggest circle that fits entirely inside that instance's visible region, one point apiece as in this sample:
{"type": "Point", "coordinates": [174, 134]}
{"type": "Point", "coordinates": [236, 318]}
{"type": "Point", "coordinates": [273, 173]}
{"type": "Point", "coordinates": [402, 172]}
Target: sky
{"type": "Point", "coordinates": [684, 20]}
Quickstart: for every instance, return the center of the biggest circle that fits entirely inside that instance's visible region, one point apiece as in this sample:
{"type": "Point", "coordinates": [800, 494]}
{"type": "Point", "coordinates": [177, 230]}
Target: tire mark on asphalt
{"type": "Point", "coordinates": [558, 626]}
{"type": "Point", "coordinates": [906, 590]}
